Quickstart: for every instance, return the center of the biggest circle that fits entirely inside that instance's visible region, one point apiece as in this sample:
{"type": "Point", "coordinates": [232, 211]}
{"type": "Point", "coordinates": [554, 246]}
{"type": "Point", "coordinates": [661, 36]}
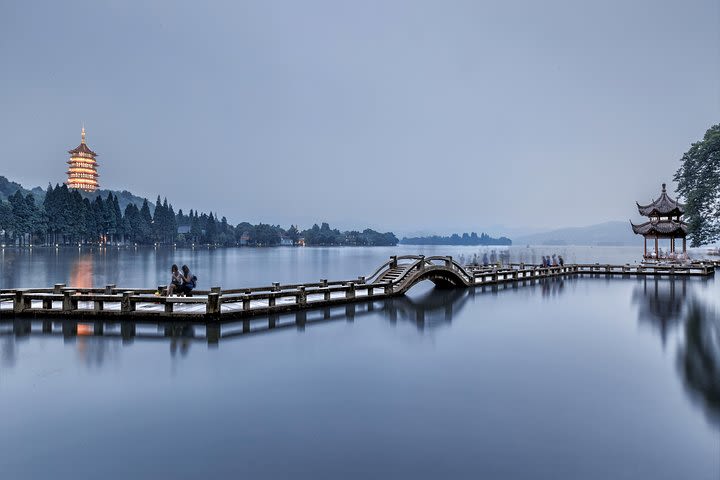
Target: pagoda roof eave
{"type": "Point", "coordinates": [82, 148]}
{"type": "Point", "coordinates": [663, 206]}
{"type": "Point", "coordinates": [661, 228]}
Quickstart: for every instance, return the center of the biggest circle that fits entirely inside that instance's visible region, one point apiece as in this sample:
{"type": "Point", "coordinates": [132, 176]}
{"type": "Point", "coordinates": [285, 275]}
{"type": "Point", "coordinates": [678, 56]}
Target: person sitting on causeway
{"type": "Point", "coordinates": [189, 281]}
{"type": "Point", "coordinates": [175, 280]}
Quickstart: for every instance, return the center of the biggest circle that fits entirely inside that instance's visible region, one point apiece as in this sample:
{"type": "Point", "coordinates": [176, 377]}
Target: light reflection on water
{"type": "Point", "coordinates": [577, 377]}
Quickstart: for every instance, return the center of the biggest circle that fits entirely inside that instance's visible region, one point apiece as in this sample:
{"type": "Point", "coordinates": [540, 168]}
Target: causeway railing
{"type": "Point", "coordinates": [219, 303]}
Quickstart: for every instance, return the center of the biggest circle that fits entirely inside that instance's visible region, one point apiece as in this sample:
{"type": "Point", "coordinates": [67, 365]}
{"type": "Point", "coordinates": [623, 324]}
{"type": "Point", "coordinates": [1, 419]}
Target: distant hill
{"type": "Point", "coordinates": [608, 233]}
{"type": "Point", "coordinates": [8, 188]}
{"type": "Point", "coordinates": [124, 198]}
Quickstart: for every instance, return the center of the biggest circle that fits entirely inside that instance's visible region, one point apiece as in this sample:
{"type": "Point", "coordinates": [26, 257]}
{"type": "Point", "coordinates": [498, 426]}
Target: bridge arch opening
{"type": "Point", "coordinates": [441, 278]}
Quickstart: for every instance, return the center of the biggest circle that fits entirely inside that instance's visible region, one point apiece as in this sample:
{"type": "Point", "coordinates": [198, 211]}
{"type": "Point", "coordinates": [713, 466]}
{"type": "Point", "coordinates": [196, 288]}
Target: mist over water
{"type": "Point", "coordinates": [579, 377]}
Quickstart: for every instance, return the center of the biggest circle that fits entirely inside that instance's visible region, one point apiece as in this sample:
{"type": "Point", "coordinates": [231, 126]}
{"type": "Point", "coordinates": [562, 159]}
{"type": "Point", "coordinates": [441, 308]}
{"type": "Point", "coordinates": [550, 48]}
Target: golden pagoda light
{"type": "Point", "coordinates": [82, 171]}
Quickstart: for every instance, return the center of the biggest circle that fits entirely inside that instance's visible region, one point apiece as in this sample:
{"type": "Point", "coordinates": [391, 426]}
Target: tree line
{"type": "Point", "coordinates": [455, 239]}
{"type": "Point", "coordinates": [66, 217]}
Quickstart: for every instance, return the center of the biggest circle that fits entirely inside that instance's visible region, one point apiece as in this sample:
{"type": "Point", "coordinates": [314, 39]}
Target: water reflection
{"type": "Point", "coordinates": [667, 304]}
{"type": "Point", "coordinates": [95, 340]}
{"type": "Point", "coordinates": [81, 273]}
{"type": "Point", "coordinates": [699, 358]}
{"type": "Point", "coordinates": [661, 303]}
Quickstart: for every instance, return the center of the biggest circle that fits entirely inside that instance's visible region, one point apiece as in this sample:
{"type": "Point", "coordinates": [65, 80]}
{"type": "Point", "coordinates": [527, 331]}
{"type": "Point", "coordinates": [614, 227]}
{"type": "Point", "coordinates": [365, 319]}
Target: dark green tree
{"type": "Point", "coordinates": [698, 180]}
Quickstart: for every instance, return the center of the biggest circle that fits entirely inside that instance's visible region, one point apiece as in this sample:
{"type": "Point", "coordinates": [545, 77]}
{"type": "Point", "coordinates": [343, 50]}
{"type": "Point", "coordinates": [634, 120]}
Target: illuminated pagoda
{"type": "Point", "coordinates": [664, 222]}
{"type": "Point", "coordinates": [82, 171]}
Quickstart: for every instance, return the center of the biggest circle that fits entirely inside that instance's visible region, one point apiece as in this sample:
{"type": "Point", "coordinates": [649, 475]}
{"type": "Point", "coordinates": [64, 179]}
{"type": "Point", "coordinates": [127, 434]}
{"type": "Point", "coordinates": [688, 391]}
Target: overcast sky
{"type": "Point", "coordinates": [400, 115]}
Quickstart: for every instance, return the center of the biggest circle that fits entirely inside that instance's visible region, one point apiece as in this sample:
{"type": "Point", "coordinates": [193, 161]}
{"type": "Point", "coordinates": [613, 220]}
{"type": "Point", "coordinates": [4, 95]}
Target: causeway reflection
{"type": "Point", "coordinates": [430, 310]}
{"type": "Point", "coordinates": [667, 306]}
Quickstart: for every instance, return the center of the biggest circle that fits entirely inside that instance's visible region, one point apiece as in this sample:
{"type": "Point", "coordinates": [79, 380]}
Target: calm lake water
{"type": "Point", "coordinates": [576, 378]}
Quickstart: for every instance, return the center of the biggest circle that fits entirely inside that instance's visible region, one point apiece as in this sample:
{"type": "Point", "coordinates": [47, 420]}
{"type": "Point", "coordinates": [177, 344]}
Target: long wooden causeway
{"type": "Point", "coordinates": [394, 277]}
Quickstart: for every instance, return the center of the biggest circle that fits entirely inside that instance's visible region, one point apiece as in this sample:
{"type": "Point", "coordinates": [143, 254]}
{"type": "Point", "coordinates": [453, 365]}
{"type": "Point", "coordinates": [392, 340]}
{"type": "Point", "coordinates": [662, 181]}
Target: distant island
{"type": "Point", "coordinates": [63, 216]}
{"type": "Point", "coordinates": [471, 239]}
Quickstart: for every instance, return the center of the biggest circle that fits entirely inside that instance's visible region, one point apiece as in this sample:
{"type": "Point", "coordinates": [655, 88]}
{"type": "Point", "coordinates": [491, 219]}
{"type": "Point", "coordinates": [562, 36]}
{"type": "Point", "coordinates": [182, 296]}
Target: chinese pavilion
{"type": "Point", "coordinates": [82, 171]}
{"type": "Point", "coordinates": [664, 222]}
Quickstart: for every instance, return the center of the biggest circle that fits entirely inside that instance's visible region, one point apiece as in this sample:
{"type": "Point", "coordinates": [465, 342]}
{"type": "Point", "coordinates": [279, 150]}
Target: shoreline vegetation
{"type": "Point", "coordinates": [62, 216]}
{"type": "Point", "coordinates": [471, 239]}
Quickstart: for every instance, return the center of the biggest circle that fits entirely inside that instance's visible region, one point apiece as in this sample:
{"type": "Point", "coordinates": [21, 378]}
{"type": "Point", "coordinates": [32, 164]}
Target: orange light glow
{"type": "Point", "coordinates": [84, 330]}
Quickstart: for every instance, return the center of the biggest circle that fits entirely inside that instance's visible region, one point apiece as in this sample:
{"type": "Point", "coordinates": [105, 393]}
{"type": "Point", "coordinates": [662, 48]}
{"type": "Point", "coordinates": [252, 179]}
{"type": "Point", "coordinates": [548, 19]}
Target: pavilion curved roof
{"type": "Point", "coordinates": [82, 148]}
{"type": "Point", "coordinates": [663, 206]}
{"type": "Point", "coordinates": [662, 228]}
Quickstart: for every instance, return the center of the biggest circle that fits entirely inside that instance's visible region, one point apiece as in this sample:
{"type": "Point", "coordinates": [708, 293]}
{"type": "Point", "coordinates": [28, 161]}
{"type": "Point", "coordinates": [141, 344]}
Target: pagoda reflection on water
{"type": "Point", "coordinates": [664, 222]}
{"type": "Point", "coordinates": [82, 171]}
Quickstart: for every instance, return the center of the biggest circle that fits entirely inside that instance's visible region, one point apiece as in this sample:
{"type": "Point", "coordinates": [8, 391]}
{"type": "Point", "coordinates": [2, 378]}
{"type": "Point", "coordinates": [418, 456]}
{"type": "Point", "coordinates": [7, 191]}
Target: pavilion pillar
{"type": "Point", "coordinates": [645, 246]}
{"type": "Point", "coordinates": [684, 249]}
{"type": "Point", "coordinates": [656, 248]}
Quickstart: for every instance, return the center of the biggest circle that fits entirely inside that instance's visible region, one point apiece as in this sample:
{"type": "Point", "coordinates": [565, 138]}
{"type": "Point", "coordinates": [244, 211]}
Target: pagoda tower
{"type": "Point", "coordinates": [82, 171]}
{"type": "Point", "coordinates": [665, 221]}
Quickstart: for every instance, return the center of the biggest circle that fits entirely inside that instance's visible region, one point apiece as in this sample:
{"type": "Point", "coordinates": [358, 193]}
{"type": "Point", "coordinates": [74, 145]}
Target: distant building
{"type": "Point", "coordinates": [301, 242]}
{"type": "Point", "coordinates": [244, 238]}
{"type": "Point", "coordinates": [82, 171]}
{"type": "Point", "coordinates": [286, 242]}
{"type": "Point", "coordinates": [183, 229]}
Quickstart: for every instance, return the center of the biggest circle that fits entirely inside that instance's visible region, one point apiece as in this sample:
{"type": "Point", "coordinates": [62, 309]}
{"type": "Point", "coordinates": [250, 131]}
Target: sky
{"type": "Point", "coordinates": [410, 116]}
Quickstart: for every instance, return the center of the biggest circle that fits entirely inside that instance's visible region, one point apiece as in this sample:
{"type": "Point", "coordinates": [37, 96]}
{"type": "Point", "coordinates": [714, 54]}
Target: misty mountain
{"type": "Point", "coordinates": [8, 188]}
{"type": "Point", "coordinates": [608, 233]}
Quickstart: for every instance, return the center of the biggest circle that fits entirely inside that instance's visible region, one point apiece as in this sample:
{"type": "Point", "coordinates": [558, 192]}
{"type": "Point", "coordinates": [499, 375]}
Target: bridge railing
{"type": "Point", "coordinates": [419, 263]}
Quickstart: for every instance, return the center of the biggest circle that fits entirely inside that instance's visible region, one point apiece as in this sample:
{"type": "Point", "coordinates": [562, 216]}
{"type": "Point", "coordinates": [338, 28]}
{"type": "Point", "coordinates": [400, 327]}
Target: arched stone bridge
{"type": "Point", "coordinates": [406, 271]}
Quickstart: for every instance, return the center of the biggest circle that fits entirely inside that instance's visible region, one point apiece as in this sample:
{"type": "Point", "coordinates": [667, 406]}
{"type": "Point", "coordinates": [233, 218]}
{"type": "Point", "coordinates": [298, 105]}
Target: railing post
{"type": "Point", "coordinates": [212, 307]}
{"type": "Point", "coordinates": [58, 287]}
{"type": "Point", "coordinates": [323, 282]}
{"type": "Point", "coordinates": [449, 262]}
{"type": "Point", "coordinates": [109, 288]}
{"type": "Point", "coordinates": [350, 292]}
{"type": "Point", "coordinates": [361, 280]}
{"type": "Point", "coordinates": [246, 301]}
{"type": "Point", "coordinates": [216, 290]}
{"type": "Point", "coordinates": [126, 305]}
{"type": "Point", "coordinates": [421, 265]}
{"type": "Point", "coordinates": [389, 289]}
{"type": "Point", "coordinates": [69, 303]}
{"type": "Point", "coordinates": [393, 261]}
{"type": "Point", "coordinates": [18, 302]}
{"type": "Point", "coordinates": [301, 296]}
{"type": "Point", "coordinates": [276, 286]}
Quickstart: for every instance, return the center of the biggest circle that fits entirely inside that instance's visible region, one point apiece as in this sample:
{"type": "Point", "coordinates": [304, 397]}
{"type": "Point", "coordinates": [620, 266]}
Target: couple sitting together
{"type": "Point", "coordinates": [181, 283]}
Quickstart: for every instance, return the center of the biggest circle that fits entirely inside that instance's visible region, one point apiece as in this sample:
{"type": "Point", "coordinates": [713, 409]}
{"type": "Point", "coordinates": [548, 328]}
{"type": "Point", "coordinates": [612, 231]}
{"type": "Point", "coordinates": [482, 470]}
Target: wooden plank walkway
{"type": "Point", "coordinates": [393, 278]}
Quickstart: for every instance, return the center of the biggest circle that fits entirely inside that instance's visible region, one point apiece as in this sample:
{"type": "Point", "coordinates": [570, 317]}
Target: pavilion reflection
{"type": "Point", "coordinates": [661, 303]}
